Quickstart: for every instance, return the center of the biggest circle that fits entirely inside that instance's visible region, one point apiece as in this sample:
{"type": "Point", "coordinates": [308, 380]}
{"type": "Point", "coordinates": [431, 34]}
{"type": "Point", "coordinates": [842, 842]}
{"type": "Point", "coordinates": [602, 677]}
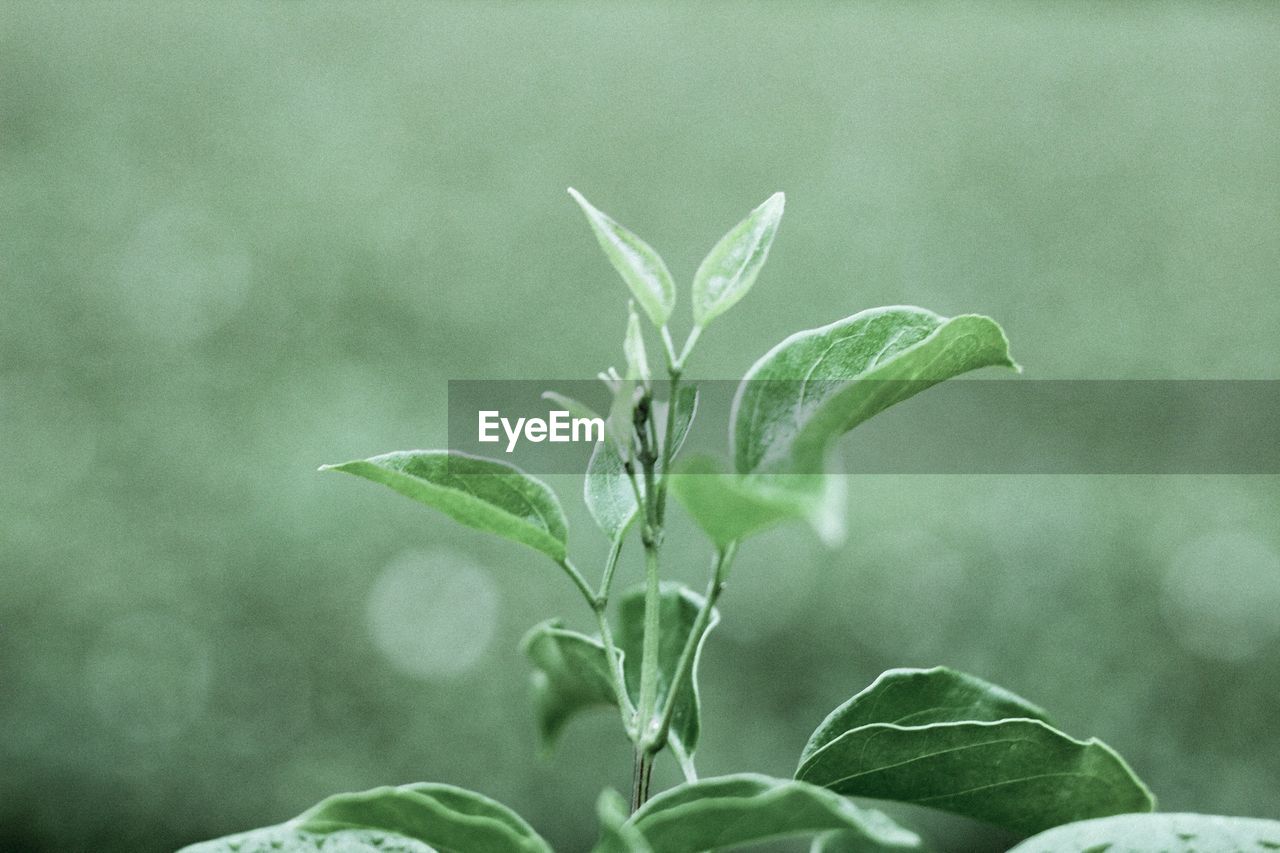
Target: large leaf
{"type": "Point", "coordinates": [610, 499]}
{"type": "Point", "coordinates": [747, 808]}
{"type": "Point", "coordinates": [640, 266]}
{"type": "Point", "coordinates": [482, 493]}
{"type": "Point", "coordinates": [918, 697]}
{"type": "Point", "coordinates": [410, 818]}
{"type": "Point", "coordinates": [571, 674]}
{"type": "Point", "coordinates": [729, 270]}
{"type": "Point", "coordinates": [818, 384]}
{"type": "Point", "coordinates": [1168, 833]}
{"type": "Point", "coordinates": [730, 507]}
{"type": "Point", "coordinates": [1022, 774]}
{"type": "Point", "coordinates": [678, 610]}
{"type": "Point", "coordinates": [616, 834]}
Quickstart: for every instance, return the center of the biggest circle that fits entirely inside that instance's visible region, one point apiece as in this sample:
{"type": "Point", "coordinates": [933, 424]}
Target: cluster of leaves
{"type": "Point", "coordinates": [934, 737]}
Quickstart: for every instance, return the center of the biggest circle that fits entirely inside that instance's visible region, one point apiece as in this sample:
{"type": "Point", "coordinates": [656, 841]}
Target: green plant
{"type": "Point", "coordinates": [932, 737]}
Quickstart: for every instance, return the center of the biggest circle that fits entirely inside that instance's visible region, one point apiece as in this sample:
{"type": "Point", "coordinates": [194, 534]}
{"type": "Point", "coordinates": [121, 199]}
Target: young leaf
{"type": "Point", "coordinates": [639, 265]}
{"type": "Point", "coordinates": [678, 609]}
{"type": "Point", "coordinates": [918, 697]}
{"type": "Point", "coordinates": [1021, 774]}
{"type": "Point", "coordinates": [730, 507]}
{"type": "Point", "coordinates": [574, 407]}
{"type": "Point", "coordinates": [616, 835]}
{"type": "Point", "coordinates": [818, 384]}
{"type": "Point", "coordinates": [571, 674]}
{"type": "Point", "coordinates": [481, 493]}
{"type": "Point", "coordinates": [729, 270]}
{"type": "Point", "coordinates": [633, 349]}
{"type": "Point", "coordinates": [748, 808]}
{"type": "Point", "coordinates": [1168, 833]}
{"type": "Point", "coordinates": [686, 409]}
{"type": "Point", "coordinates": [410, 818]}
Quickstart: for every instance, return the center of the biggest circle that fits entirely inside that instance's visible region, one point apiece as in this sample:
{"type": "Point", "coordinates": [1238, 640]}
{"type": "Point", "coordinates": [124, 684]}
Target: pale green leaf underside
{"type": "Point", "coordinates": [678, 609]}
{"type": "Point", "coordinates": [918, 697]}
{"type": "Point", "coordinates": [728, 811]}
{"type": "Point", "coordinates": [640, 266]}
{"type": "Point", "coordinates": [818, 384]}
{"type": "Point", "coordinates": [731, 268]}
{"type": "Point", "coordinates": [481, 493]}
{"type": "Point", "coordinates": [730, 507]}
{"type": "Point", "coordinates": [1168, 833]}
{"type": "Point", "coordinates": [410, 818]}
{"type": "Point", "coordinates": [571, 674]}
{"type": "Point", "coordinates": [607, 491]}
{"type": "Point", "coordinates": [1019, 773]}
{"type": "Point", "coordinates": [616, 835]}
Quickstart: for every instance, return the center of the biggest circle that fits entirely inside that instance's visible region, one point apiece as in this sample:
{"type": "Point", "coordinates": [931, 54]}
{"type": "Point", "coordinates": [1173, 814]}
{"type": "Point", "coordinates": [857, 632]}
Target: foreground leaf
{"type": "Point", "coordinates": [481, 493]}
{"type": "Point", "coordinates": [640, 266]}
{"type": "Point", "coordinates": [1022, 774]}
{"type": "Point", "coordinates": [410, 818]}
{"type": "Point", "coordinates": [616, 835]}
{"type": "Point", "coordinates": [1168, 833]}
{"type": "Point", "coordinates": [678, 610]}
{"type": "Point", "coordinates": [571, 675]}
{"type": "Point", "coordinates": [818, 384]}
{"type": "Point", "coordinates": [730, 507]}
{"type": "Point", "coordinates": [748, 808]}
{"type": "Point", "coordinates": [730, 269]}
{"type": "Point", "coordinates": [917, 697]}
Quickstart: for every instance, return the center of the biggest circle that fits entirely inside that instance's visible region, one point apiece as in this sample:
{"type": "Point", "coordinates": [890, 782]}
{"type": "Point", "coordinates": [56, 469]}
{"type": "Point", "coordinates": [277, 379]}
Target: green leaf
{"type": "Point", "coordinates": [729, 270]}
{"type": "Point", "coordinates": [918, 697]}
{"type": "Point", "coordinates": [481, 493]}
{"type": "Point", "coordinates": [633, 349]}
{"type": "Point", "coordinates": [616, 835]}
{"type": "Point", "coordinates": [818, 384]}
{"type": "Point", "coordinates": [730, 507]}
{"type": "Point", "coordinates": [1022, 774]}
{"type": "Point", "coordinates": [639, 265]}
{"type": "Point", "coordinates": [747, 808]}
{"type": "Point", "coordinates": [686, 409]}
{"type": "Point", "coordinates": [571, 674]}
{"type": "Point", "coordinates": [678, 609]}
{"type": "Point", "coordinates": [1168, 833]}
{"type": "Point", "coordinates": [607, 490]}
{"type": "Point", "coordinates": [411, 818]}
{"type": "Point", "coordinates": [574, 407]}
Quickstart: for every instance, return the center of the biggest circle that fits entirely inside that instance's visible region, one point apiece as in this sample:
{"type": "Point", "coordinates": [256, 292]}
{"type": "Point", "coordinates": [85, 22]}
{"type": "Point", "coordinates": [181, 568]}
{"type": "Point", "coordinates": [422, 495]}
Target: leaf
{"type": "Point", "coordinates": [729, 270]}
{"type": "Point", "coordinates": [633, 349]}
{"type": "Point", "coordinates": [573, 407]}
{"type": "Point", "coordinates": [639, 265]}
{"type": "Point", "coordinates": [818, 384]}
{"type": "Point", "coordinates": [748, 808]}
{"type": "Point", "coordinates": [481, 493]}
{"type": "Point", "coordinates": [571, 674]}
{"type": "Point", "coordinates": [1168, 833]}
{"type": "Point", "coordinates": [1022, 774]}
{"type": "Point", "coordinates": [917, 697]}
{"type": "Point", "coordinates": [411, 818]}
{"type": "Point", "coordinates": [616, 835]}
{"type": "Point", "coordinates": [607, 490]}
{"type": "Point", "coordinates": [686, 409]}
{"type": "Point", "coordinates": [678, 609]}
{"type": "Point", "coordinates": [730, 507]}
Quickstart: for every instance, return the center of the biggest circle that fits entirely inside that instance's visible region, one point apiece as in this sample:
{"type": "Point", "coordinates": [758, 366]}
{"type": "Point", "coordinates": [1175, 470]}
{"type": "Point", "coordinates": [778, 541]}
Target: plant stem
{"type": "Point", "coordinates": [649, 656]}
{"type": "Point", "coordinates": [610, 564]}
{"type": "Point", "coordinates": [578, 581]}
{"type": "Point", "coordinates": [696, 633]}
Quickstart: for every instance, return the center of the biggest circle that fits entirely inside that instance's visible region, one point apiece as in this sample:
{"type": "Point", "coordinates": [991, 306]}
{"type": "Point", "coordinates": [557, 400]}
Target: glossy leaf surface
{"type": "Point", "coordinates": [481, 493]}
{"type": "Point", "coordinates": [731, 268]}
{"type": "Point", "coordinates": [749, 808]}
{"type": "Point", "coordinates": [409, 818]}
{"type": "Point", "coordinates": [1168, 833]}
{"type": "Point", "coordinates": [818, 384]}
{"type": "Point", "coordinates": [640, 266]}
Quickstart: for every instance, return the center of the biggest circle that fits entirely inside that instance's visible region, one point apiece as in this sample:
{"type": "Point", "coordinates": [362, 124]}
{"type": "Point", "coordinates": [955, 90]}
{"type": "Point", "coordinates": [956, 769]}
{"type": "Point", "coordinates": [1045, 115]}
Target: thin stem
{"type": "Point", "coordinates": [619, 678]}
{"type": "Point", "coordinates": [578, 581]}
{"type": "Point", "coordinates": [610, 564]}
{"type": "Point", "coordinates": [669, 346]}
{"type": "Point", "coordinates": [696, 633]}
{"type": "Point", "coordinates": [649, 655]}
{"type": "Point", "coordinates": [668, 444]}
{"type": "Point", "coordinates": [688, 347]}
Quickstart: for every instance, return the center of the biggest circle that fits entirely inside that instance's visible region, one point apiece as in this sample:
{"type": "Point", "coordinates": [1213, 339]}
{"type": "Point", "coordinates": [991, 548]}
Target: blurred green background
{"type": "Point", "coordinates": [240, 240]}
